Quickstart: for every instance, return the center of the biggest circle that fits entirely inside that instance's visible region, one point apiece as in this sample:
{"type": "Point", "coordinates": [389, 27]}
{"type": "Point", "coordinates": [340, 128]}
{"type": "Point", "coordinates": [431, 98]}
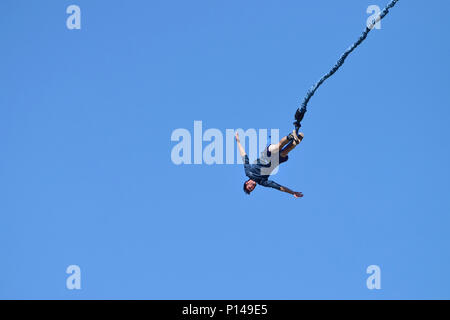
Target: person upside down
{"type": "Point", "coordinates": [273, 155]}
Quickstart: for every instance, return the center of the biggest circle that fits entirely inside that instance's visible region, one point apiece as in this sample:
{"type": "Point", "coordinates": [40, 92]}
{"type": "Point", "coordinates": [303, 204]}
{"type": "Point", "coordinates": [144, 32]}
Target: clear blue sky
{"type": "Point", "coordinates": [86, 176]}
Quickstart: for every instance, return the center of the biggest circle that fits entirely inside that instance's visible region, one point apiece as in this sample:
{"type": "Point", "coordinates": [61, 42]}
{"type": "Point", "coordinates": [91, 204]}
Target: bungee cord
{"type": "Point", "coordinates": [302, 110]}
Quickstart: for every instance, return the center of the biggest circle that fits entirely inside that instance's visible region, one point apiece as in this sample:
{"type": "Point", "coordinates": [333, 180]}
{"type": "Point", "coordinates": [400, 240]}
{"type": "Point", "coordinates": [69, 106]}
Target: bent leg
{"type": "Point", "coordinates": [291, 146]}
{"type": "Point", "coordinates": [275, 148]}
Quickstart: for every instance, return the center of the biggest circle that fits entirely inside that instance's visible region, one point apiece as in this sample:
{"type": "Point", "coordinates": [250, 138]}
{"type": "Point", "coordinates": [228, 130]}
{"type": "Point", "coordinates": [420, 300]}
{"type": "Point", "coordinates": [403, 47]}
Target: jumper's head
{"type": "Point", "coordinates": [249, 186]}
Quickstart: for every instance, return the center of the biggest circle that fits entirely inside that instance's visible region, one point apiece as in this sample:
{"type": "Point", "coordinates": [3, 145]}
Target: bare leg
{"type": "Point", "coordinates": [288, 149]}
{"type": "Point", "coordinates": [291, 146]}
{"type": "Point", "coordinates": [275, 148]}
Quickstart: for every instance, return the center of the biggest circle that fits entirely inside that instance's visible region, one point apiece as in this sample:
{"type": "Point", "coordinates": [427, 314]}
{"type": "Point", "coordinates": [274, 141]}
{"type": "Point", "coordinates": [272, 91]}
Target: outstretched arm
{"type": "Point", "coordinates": [272, 184]}
{"type": "Point", "coordinates": [295, 194]}
{"type": "Point", "coordinates": [241, 149]}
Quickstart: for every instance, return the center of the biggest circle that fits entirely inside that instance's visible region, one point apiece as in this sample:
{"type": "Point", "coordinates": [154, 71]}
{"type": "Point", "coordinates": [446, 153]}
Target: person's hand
{"type": "Point", "coordinates": [237, 137]}
{"type": "Point", "coordinates": [298, 194]}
